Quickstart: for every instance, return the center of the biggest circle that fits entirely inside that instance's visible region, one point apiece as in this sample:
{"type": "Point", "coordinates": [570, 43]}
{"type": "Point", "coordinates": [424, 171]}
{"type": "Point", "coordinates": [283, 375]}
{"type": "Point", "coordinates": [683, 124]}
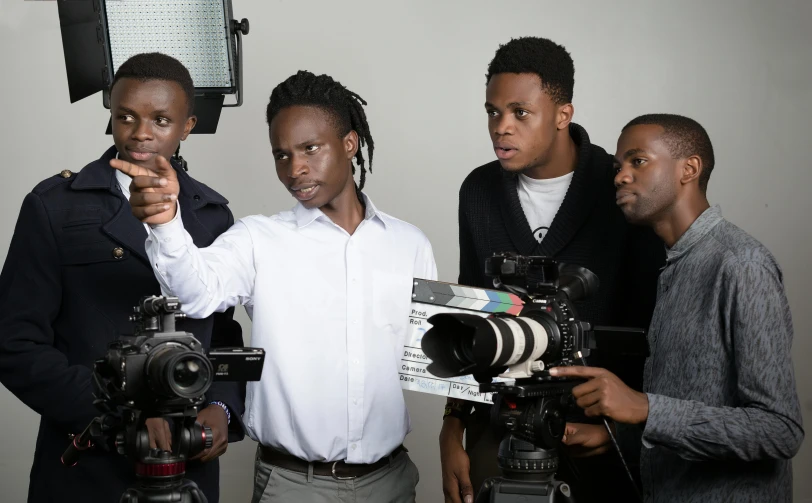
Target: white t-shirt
{"type": "Point", "coordinates": [541, 199]}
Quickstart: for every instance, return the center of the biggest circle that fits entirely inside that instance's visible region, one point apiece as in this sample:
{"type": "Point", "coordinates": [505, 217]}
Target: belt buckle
{"type": "Point", "coordinates": [333, 470]}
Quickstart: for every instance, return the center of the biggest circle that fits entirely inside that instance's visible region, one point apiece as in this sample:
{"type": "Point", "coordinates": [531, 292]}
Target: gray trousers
{"type": "Point", "coordinates": [391, 484]}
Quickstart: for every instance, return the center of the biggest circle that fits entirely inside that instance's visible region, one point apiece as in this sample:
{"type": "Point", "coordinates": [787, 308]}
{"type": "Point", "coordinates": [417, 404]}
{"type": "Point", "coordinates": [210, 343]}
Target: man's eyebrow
{"type": "Point", "coordinates": [308, 142]}
{"type": "Point", "coordinates": [512, 104]}
{"type": "Point", "coordinates": [629, 153]}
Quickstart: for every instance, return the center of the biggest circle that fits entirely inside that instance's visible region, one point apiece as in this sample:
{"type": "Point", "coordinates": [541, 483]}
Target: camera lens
{"type": "Point", "coordinates": [176, 371]}
{"type": "Point", "coordinates": [460, 344]}
{"type": "Point", "coordinates": [513, 340]}
{"type": "Point", "coordinates": [186, 373]}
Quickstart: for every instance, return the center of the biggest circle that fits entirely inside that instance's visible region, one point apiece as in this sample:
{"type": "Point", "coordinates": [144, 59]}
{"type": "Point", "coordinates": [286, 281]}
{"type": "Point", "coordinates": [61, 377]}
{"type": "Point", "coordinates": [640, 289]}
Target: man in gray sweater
{"type": "Point", "coordinates": [719, 418]}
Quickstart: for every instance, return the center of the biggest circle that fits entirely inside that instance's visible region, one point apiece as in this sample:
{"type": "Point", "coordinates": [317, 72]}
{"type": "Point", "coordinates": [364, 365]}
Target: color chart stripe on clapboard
{"type": "Point", "coordinates": [474, 299]}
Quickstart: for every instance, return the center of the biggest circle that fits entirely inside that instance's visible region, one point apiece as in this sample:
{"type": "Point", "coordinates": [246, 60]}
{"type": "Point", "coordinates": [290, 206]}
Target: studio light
{"type": "Point", "coordinates": [99, 35]}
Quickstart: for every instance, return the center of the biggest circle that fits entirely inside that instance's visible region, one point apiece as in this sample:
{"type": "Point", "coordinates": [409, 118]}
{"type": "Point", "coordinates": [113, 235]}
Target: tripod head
{"type": "Point", "coordinates": [530, 417]}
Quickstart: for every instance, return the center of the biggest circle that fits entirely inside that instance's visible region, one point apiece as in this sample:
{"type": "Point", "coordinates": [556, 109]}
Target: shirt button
{"type": "Point", "coordinates": [354, 322]}
{"type": "Point", "coordinates": [355, 362]}
{"type": "Point", "coordinates": [353, 280]}
{"type": "Point", "coordinates": [355, 401]}
{"type": "Point", "coordinates": [352, 447]}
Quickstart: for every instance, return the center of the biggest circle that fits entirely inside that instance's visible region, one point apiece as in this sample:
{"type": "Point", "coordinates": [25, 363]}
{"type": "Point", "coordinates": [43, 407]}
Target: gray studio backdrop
{"type": "Point", "coordinates": [741, 68]}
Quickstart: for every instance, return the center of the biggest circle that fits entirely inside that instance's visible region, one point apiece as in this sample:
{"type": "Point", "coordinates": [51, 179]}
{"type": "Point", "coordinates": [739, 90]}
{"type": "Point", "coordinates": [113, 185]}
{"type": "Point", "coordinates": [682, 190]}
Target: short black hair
{"type": "Point", "coordinates": [158, 66]}
{"type": "Point", "coordinates": [322, 91]}
{"type": "Point", "coordinates": [684, 137]}
{"type": "Point", "coordinates": [550, 61]}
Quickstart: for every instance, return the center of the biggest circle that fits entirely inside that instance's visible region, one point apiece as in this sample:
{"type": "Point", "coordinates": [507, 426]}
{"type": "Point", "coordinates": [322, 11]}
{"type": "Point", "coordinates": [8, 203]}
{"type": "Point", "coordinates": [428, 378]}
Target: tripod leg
{"type": "Point", "coordinates": [190, 488]}
{"type": "Point", "coordinates": [184, 492]}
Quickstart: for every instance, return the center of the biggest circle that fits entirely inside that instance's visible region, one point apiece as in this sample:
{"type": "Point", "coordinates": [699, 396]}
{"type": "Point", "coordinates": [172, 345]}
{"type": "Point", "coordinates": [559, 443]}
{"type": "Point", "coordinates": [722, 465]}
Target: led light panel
{"type": "Point", "coordinates": [192, 31]}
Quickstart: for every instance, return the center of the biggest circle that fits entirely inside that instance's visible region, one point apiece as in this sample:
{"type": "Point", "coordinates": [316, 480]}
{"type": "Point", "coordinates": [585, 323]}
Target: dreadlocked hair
{"type": "Point", "coordinates": [343, 105]}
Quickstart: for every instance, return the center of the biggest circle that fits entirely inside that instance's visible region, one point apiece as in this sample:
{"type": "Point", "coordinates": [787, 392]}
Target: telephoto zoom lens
{"type": "Point", "coordinates": [460, 344]}
{"type": "Point", "coordinates": [175, 371]}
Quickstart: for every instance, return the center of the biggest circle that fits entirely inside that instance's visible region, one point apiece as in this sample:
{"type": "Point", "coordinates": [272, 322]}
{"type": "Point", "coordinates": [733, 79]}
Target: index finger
{"type": "Point", "coordinates": [162, 167]}
{"type": "Point", "coordinates": [577, 371]}
{"type": "Point", "coordinates": [130, 169]}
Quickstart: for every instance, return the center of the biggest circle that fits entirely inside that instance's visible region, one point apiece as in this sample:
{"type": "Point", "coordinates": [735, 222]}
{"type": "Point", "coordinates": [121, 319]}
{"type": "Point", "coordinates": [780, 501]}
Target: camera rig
{"type": "Point", "coordinates": [158, 372]}
{"type": "Point", "coordinates": [529, 414]}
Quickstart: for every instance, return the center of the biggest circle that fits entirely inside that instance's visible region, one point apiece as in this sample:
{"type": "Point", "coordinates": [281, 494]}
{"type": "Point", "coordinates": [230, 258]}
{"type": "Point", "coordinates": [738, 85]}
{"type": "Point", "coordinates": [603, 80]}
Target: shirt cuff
{"type": "Point", "coordinates": [667, 420]}
{"type": "Point", "coordinates": [170, 235]}
{"type": "Point", "coordinates": [225, 408]}
{"type": "Point", "coordinates": [176, 217]}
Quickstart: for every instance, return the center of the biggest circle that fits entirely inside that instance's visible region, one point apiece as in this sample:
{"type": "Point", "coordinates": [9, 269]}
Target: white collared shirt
{"type": "Point", "coordinates": [331, 311]}
{"type": "Point", "coordinates": [124, 181]}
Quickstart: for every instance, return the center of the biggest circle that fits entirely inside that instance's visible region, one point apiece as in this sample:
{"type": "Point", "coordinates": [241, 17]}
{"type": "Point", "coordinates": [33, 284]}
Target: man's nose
{"type": "Point", "coordinates": [502, 125]}
{"type": "Point", "coordinates": [622, 177]}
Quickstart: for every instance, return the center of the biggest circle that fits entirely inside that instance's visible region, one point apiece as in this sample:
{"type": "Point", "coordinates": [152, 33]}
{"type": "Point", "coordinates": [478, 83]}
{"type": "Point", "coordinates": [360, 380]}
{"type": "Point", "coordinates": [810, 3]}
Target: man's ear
{"type": "Point", "coordinates": [564, 116]}
{"type": "Point", "coordinates": [691, 169]}
{"type": "Point", "coordinates": [351, 144]}
{"type": "Point", "coordinates": [187, 128]}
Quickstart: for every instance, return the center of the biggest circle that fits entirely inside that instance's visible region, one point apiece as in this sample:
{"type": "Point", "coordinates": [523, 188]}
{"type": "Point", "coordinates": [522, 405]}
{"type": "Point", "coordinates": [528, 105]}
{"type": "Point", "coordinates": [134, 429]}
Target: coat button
{"type": "Point", "coordinates": [118, 253]}
{"type": "Point", "coordinates": [196, 197]}
{"type": "Point", "coordinates": [65, 173]}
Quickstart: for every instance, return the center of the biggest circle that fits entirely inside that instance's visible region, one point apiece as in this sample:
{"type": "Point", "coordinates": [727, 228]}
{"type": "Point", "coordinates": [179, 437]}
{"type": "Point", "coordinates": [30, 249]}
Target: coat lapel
{"type": "Point", "coordinates": [122, 227]}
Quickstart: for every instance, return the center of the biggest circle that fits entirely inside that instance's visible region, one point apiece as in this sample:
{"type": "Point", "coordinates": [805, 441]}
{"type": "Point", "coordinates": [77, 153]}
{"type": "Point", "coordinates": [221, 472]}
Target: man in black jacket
{"type": "Point", "coordinates": [549, 193]}
{"type": "Point", "coordinates": [75, 268]}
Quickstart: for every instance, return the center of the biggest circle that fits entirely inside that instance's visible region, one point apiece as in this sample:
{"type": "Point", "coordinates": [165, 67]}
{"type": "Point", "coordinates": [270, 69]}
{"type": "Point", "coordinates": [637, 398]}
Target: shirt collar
{"type": "Point", "coordinates": [306, 216]}
{"type": "Point", "coordinates": [124, 181]}
{"type": "Point", "coordinates": [701, 226]}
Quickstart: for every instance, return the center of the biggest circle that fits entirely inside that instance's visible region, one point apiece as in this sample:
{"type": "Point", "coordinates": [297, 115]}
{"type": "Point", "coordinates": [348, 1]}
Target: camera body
{"type": "Point", "coordinates": [547, 294]}
{"type": "Point", "coordinates": [158, 369]}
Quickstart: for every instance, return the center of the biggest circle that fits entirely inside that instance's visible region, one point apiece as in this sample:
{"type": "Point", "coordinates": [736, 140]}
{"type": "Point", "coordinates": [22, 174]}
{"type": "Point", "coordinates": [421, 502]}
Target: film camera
{"type": "Point", "coordinates": [529, 414]}
{"type": "Point", "coordinates": [159, 372]}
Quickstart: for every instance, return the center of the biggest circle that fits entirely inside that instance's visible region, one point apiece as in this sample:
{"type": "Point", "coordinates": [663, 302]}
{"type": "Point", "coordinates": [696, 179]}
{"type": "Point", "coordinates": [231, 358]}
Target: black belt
{"type": "Point", "coordinates": [339, 470]}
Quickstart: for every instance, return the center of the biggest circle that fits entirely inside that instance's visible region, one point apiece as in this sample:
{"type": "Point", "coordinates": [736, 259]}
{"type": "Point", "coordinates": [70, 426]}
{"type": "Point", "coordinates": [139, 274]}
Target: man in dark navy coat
{"type": "Point", "coordinates": [75, 268]}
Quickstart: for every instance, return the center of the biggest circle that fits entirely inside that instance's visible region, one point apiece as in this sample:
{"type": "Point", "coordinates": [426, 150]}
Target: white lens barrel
{"type": "Point", "coordinates": [525, 339]}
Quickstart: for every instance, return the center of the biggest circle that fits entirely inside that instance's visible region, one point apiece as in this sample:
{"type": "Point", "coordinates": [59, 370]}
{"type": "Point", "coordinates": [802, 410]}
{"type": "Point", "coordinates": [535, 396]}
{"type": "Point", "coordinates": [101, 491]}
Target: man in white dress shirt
{"type": "Point", "coordinates": [328, 288]}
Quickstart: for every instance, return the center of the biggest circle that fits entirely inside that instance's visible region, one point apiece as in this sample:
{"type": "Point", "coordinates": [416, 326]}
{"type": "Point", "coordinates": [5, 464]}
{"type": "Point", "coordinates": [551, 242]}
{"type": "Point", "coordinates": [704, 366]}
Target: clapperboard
{"type": "Point", "coordinates": [435, 297]}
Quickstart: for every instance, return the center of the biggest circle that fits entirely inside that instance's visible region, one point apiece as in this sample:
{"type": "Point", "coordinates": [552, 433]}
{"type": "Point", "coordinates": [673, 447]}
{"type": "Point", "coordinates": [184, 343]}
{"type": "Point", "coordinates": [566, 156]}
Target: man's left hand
{"type": "Point", "coordinates": [604, 394]}
{"type": "Point", "coordinates": [215, 418]}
